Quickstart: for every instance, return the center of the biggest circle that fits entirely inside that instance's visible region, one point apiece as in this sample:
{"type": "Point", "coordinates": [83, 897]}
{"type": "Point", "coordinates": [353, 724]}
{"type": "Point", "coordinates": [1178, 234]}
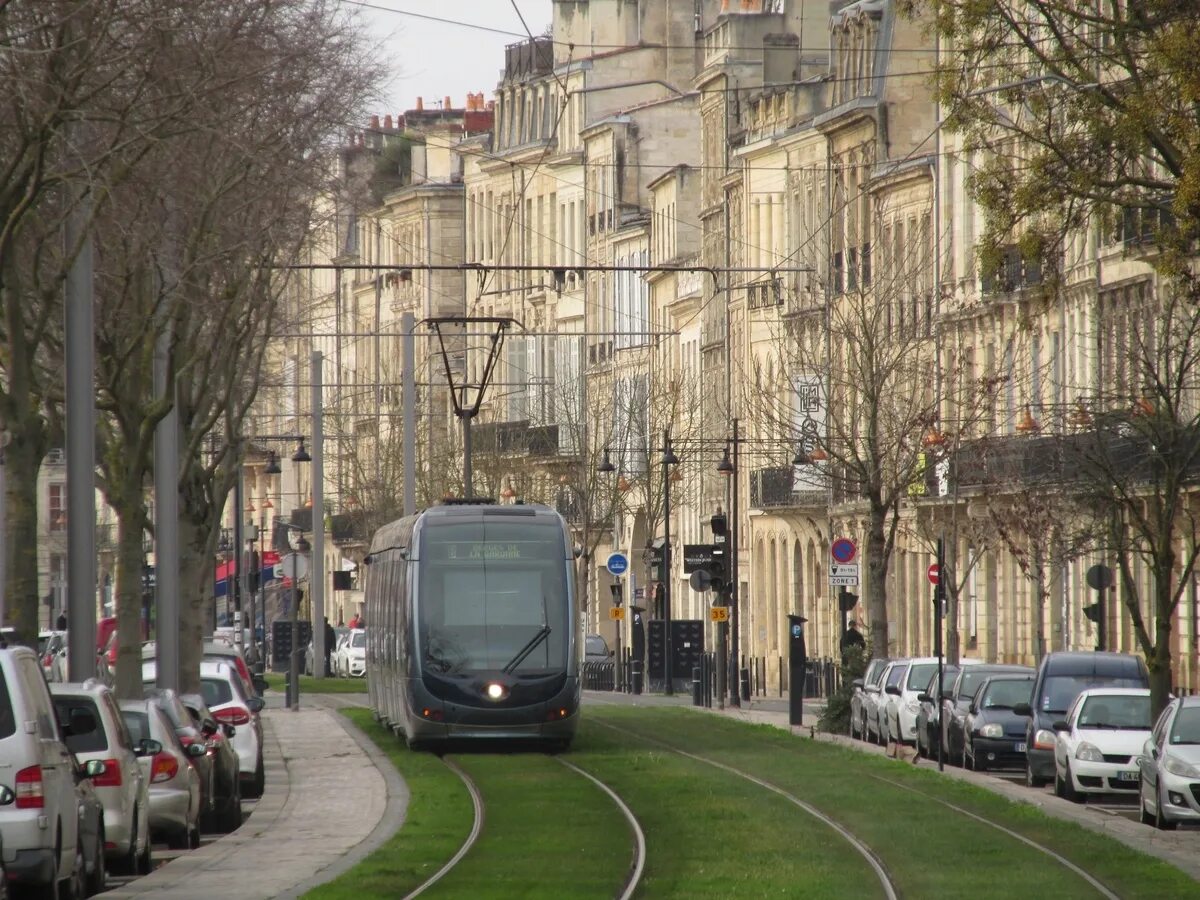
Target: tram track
{"type": "Point", "coordinates": [1099, 886]}
{"type": "Point", "coordinates": [639, 849]}
{"type": "Point", "coordinates": [885, 881]}
{"type": "Point", "coordinates": [472, 837]}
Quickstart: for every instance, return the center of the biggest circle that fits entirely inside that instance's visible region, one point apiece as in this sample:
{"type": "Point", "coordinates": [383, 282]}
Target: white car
{"type": "Point", "coordinates": [351, 656]}
{"type": "Point", "coordinates": [39, 810]}
{"type": "Point", "coordinates": [1170, 766]}
{"type": "Point", "coordinates": [231, 703]}
{"type": "Point", "coordinates": [121, 788]}
{"type": "Point", "coordinates": [1099, 741]}
{"type": "Point", "coordinates": [875, 705]}
{"type": "Point", "coordinates": [900, 709]}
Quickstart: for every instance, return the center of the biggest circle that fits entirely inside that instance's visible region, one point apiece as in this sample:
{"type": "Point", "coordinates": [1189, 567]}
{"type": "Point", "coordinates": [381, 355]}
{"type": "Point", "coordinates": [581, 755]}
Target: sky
{"type": "Point", "coordinates": [432, 59]}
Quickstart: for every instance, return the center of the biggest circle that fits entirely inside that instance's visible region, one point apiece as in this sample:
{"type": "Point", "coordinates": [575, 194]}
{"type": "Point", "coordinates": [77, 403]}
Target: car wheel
{"type": "Point", "coordinates": [180, 840]}
{"type": "Point", "coordinates": [145, 865]}
{"type": "Point", "coordinates": [260, 778]}
{"type": "Point", "coordinates": [233, 814]}
{"type": "Point", "coordinates": [1145, 817]}
{"type": "Point", "coordinates": [74, 888]}
{"type": "Point", "coordinates": [1068, 788]}
{"type": "Point", "coordinates": [97, 881]}
{"type": "Point", "coordinates": [1031, 780]}
{"type": "Point", "coordinates": [1161, 822]}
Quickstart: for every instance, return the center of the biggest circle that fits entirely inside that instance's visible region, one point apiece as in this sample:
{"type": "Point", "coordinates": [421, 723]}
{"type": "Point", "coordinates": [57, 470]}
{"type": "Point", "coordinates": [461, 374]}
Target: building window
{"type": "Point", "coordinates": [57, 507]}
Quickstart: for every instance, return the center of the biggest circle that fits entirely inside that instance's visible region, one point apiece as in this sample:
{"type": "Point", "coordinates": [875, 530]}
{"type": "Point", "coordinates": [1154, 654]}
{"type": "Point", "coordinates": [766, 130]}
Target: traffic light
{"type": "Point", "coordinates": [1093, 612]}
{"type": "Point", "coordinates": [657, 556]}
{"type": "Point", "coordinates": [847, 601]}
{"type": "Point", "coordinates": [718, 569]}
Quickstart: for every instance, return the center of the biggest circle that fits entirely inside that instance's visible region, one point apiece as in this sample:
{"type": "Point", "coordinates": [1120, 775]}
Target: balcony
{"type": "Point", "coordinates": [776, 488]}
{"type": "Point", "coordinates": [517, 439]}
{"type": "Point", "coordinates": [764, 294]}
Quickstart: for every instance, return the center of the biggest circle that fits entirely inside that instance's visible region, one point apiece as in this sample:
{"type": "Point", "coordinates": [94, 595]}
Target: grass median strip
{"type": "Point", "coordinates": [709, 834]}
{"type": "Point", "coordinates": [276, 681]}
{"type": "Point", "coordinates": [438, 820]}
{"type": "Point", "coordinates": [548, 833]}
{"type": "Point", "coordinates": [929, 849]}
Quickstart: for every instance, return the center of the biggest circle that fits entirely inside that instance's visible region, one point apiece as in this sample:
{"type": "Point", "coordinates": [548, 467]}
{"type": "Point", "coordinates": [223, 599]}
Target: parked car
{"type": "Point", "coordinates": [958, 699]}
{"type": "Point", "coordinates": [227, 811]}
{"type": "Point", "coordinates": [1169, 765]}
{"type": "Point", "coordinates": [1099, 741]}
{"type": "Point", "coordinates": [993, 734]}
{"type": "Point", "coordinates": [91, 828]}
{"type": "Point", "coordinates": [1060, 679]}
{"type": "Point", "coordinates": [875, 704]}
{"type": "Point", "coordinates": [49, 643]}
{"type": "Point", "coordinates": [122, 787]}
{"type": "Point", "coordinates": [928, 729]}
{"type": "Point", "coordinates": [902, 706]}
{"type": "Point", "coordinates": [351, 658]}
{"type": "Point", "coordinates": [39, 826]}
{"type": "Point", "coordinates": [191, 736]}
{"type": "Point", "coordinates": [218, 651]}
{"type": "Point", "coordinates": [863, 687]}
{"type": "Point", "coordinates": [174, 782]}
{"type": "Point", "coordinates": [230, 703]}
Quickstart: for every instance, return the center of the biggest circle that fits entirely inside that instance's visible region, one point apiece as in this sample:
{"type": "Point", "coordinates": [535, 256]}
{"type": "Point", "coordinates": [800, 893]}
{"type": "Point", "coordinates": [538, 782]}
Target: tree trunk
{"type": "Point", "coordinates": [131, 518]}
{"type": "Point", "coordinates": [195, 598]}
{"type": "Point", "coordinates": [1038, 559]}
{"type": "Point", "coordinates": [877, 565]}
{"type": "Point", "coordinates": [22, 459]}
{"type": "Point", "coordinates": [951, 580]}
{"type": "Point", "coordinates": [1159, 662]}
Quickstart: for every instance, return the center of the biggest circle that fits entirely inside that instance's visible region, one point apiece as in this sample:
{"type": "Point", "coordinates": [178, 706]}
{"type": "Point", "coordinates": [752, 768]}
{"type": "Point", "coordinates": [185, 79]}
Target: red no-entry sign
{"type": "Point", "coordinates": [934, 573]}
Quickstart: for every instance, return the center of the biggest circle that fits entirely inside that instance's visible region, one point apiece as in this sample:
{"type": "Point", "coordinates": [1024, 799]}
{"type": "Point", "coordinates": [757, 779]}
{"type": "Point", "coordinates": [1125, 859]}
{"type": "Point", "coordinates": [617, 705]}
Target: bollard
{"type": "Point", "coordinates": [745, 676]}
{"type": "Point", "coordinates": [697, 699]}
{"type": "Point", "coordinates": [637, 676]}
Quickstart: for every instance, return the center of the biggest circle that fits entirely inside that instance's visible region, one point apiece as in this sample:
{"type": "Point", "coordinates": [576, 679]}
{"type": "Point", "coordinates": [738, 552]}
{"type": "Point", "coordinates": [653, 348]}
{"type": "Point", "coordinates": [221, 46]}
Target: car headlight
{"type": "Point", "coordinates": [1088, 752]}
{"type": "Point", "coordinates": [992, 730]}
{"type": "Point", "coordinates": [1177, 766]}
{"type": "Point", "coordinates": [1045, 739]}
{"type": "Point", "coordinates": [913, 706]}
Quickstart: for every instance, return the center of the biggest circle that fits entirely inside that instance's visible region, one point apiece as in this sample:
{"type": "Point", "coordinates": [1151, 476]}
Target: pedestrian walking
{"type": "Point", "coordinates": [330, 638]}
{"type": "Point", "coordinates": [61, 623]}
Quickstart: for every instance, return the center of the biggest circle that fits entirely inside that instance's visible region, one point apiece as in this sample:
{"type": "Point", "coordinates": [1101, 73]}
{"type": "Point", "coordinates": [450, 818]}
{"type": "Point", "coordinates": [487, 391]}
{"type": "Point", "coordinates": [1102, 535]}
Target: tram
{"type": "Point", "coordinates": [473, 631]}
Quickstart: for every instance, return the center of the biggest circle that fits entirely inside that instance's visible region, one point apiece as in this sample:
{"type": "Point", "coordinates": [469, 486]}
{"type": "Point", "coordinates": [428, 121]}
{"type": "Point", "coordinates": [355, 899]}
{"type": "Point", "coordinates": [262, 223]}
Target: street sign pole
{"type": "Point", "coordinates": [938, 594]}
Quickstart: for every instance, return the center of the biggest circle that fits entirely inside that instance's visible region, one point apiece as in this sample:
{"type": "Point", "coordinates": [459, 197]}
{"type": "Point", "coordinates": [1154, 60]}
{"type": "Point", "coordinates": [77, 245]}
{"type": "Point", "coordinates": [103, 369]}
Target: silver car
{"type": "Point", "coordinates": [863, 688]}
{"type": "Point", "coordinates": [1169, 767]}
{"type": "Point", "coordinates": [175, 795]}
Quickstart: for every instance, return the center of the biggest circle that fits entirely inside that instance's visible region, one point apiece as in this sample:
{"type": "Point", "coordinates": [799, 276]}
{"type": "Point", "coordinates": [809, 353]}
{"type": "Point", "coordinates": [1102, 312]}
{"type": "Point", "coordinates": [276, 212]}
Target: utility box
{"type": "Point", "coordinates": [687, 645]}
{"type": "Point", "coordinates": [281, 642]}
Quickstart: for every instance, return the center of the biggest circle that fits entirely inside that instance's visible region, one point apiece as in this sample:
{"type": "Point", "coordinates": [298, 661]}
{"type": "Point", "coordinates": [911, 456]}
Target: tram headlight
{"type": "Point", "coordinates": [495, 691]}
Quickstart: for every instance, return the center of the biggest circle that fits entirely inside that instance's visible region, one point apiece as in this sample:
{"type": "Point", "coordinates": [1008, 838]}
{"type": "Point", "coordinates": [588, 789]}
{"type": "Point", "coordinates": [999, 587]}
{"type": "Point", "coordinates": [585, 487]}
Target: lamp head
{"type": "Point", "coordinates": [301, 455]}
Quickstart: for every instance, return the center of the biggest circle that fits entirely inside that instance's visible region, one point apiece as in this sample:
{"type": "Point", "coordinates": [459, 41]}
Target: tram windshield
{"type": "Point", "coordinates": [489, 589]}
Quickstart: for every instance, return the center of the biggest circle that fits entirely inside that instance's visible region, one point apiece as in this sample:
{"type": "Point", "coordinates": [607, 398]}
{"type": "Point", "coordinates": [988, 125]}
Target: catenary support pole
{"type": "Point", "coordinates": [734, 671]}
{"type": "Point", "coordinates": [668, 648]}
{"type": "Point", "coordinates": [80, 446]}
{"type": "Point", "coordinates": [408, 369]}
{"type": "Point", "coordinates": [238, 588]}
{"type": "Point", "coordinates": [316, 577]}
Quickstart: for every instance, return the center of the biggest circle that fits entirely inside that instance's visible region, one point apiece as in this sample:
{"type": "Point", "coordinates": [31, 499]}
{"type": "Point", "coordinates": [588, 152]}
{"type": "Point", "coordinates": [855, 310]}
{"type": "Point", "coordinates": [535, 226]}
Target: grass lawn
{"type": "Point", "coordinates": [438, 821]}
{"type": "Point", "coordinates": [310, 685]}
{"type": "Point", "coordinates": [930, 851]}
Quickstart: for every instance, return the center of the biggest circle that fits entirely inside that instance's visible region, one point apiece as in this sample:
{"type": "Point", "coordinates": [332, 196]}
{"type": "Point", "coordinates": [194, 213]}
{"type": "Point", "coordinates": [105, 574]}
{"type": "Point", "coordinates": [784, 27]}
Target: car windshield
{"type": "Point", "coordinates": [93, 741]}
{"type": "Point", "coordinates": [359, 639]}
{"type": "Point", "coordinates": [486, 590]}
{"type": "Point", "coordinates": [896, 676]}
{"type": "Point", "coordinates": [918, 676]}
{"type": "Point", "coordinates": [1060, 691]}
{"type": "Point", "coordinates": [595, 645]}
{"type": "Point", "coordinates": [971, 680]}
{"type": "Point", "coordinates": [1007, 694]}
{"type": "Point", "coordinates": [1186, 728]}
{"type": "Point", "coordinates": [1115, 711]}
{"type": "Point", "coordinates": [216, 691]}
{"type": "Point", "coordinates": [138, 724]}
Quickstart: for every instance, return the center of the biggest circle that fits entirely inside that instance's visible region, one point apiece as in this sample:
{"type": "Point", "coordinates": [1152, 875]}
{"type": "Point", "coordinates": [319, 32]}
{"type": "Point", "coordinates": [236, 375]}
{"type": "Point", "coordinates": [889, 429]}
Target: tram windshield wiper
{"type": "Point", "coordinates": [542, 634]}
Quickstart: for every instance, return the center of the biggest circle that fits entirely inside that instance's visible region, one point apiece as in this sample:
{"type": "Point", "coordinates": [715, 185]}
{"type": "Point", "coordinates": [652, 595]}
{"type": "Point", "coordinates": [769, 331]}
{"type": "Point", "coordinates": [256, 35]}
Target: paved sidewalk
{"type": "Point", "coordinates": [325, 797]}
{"type": "Point", "coordinates": [1179, 848]}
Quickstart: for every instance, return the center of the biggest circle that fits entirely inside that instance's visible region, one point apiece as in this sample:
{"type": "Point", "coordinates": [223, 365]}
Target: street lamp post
{"type": "Point", "coordinates": [302, 547]}
{"type": "Point", "coordinates": [668, 459]}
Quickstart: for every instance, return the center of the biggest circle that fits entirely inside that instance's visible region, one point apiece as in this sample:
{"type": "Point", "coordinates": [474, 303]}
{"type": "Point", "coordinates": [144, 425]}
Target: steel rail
{"type": "Point", "coordinates": [885, 881]}
{"type": "Point", "coordinates": [476, 828]}
{"type": "Point", "coordinates": [639, 852]}
{"type": "Point", "coordinates": [1099, 886]}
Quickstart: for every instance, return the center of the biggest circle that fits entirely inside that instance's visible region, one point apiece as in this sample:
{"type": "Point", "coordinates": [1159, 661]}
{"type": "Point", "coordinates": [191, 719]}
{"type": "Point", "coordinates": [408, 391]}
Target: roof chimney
{"type": "Point", "coordinates": [420, 104]}
{"type": "Point", "coordinates": [375, 122]}
{"type": "Point", "coordinates": [387, 121]}
{"type": "Point", "coordinates": [448, 104]}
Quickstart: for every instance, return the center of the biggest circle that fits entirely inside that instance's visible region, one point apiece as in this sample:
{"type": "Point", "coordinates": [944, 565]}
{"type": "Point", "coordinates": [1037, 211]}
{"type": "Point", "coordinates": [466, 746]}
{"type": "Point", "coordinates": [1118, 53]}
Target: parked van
{"type": "Point", "coordinates": [39, 824]}
{"type": "Point", "coordinates": [1060, 679]}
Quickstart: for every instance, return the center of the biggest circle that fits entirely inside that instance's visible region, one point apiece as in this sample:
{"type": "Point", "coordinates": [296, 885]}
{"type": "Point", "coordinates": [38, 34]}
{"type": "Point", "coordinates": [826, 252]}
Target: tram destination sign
{"type": "Point", "coordinates": [483, 551]}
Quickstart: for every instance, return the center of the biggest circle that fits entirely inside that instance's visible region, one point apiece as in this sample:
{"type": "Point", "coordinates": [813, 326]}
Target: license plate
{"type": "Point", "coordinates": [1020, 748]}
{"type": "Point", "coordinates": [1127, 776]}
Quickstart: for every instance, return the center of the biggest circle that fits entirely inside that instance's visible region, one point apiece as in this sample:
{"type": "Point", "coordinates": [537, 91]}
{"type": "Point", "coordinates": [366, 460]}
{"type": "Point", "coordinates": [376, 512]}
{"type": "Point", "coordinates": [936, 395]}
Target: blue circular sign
{"type": "Point", "coordinates": [618, 564]}
{"type": "Point", "coordinates": [843, 550]}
